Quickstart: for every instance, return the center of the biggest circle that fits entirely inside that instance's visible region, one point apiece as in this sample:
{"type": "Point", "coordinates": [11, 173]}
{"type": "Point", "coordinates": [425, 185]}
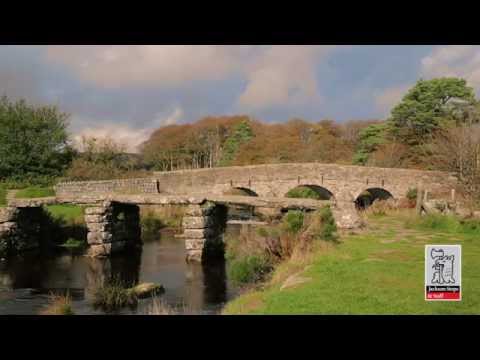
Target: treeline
{"type": "Point", "coordinates": [240, 140]}
{"type": "Point", "coordinates": [405, 139]}
{"type": "Point", "coordinates": [434, 126]}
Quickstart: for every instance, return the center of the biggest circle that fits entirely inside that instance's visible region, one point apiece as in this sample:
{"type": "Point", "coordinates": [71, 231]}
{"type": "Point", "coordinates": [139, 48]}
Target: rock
{"type": "Point", "coordinates": [145, 290]}
{"type": "Point", "coordinates": [194, 244]}
{"type": "Point", "coordinates": [99, 237]}
{"type": "Point", "coordinates": [194, 255]}
{"type": "Point", "coordinates": [196, 222]}
{"type": "Point", "coordinates": [96, 211]}
{"type": "Point", "coordinates": [106, 249]}
{"type": "Point", "coordinates": [198, 233]}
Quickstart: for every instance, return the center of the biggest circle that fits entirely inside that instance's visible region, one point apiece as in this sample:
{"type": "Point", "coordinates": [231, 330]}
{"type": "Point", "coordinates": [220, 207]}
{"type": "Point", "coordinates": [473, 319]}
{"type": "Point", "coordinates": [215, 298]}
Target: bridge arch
{"type": "Point", "coordinates": [242, 191]}
{"type": "Point", "coordinates": [366, 197]}
{"type": "Point", "coordinates": [310, 191]}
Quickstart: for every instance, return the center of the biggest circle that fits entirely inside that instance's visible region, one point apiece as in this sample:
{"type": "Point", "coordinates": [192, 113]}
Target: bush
{"type": "Point", "coordinates": [303, 192]}
{"type": "Point", "coordinates": [114, 296]}
{"type": "Point", "coordinates": [381, 207]}
{"type": "Point", "coordinates": [328, 229]}
{"type": "Point", "coordinates": [293, 222]}
{"type": "Point", "coordinates": [151, 225]}
{"type": "Point", "coordinates": [248, 269]}
{"type": "Point", "coordinates": [35, 192]}
{"type": "Point", "coordinates": [444, 223]}
{"type": "Point", "coordinates": [74, 243]}
{"type": "Point", "coordinates": [59, 305]}
{"type": "Point", "coordinates": [412, 194]}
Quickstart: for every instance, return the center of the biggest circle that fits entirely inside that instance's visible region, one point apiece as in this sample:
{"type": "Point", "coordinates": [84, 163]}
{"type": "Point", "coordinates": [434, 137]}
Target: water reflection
{"type": "Point", "coordinates": [26, 281]}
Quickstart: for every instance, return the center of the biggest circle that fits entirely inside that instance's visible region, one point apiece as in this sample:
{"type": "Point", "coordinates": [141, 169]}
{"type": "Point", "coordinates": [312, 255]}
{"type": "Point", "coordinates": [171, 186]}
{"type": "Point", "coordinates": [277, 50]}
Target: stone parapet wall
{"type": "Point", "coordinates": [345, 182]}
{"type": "Point", "coordinates": [143, 185]}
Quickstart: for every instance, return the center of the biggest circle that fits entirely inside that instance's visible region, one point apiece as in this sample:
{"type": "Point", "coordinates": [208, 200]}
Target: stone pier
{"type": "Point", "coordinates": [203, 227]}
{"type": "Point", "coordinates": [112, 227]}
{"type": "Point", "coordinates": [21, 229]}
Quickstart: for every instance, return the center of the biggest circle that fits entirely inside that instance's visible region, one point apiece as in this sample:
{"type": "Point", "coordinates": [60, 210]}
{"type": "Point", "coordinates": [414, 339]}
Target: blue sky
{"type": "Point", "coordinates": [127, 91]}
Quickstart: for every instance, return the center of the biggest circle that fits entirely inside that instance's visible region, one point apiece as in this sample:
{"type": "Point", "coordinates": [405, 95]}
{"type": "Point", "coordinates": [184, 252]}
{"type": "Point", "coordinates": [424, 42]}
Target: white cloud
{"type": "Point", "coordinates": [123, 134]}
{"type": "Point", "coordinates": [276, 75]}
{"type": "Point", "coordinates": [386, 99]}
{"type": "Point", "coordinates": [283, 75]}
{"type": "Point", "coordinates": [454, 61]}
{"type": "Point", "coordinates": [461, 61]}
{"type": "Point", "coordinates": [161, 119]}
{"type": "Point", "coordinates": [148, 65]}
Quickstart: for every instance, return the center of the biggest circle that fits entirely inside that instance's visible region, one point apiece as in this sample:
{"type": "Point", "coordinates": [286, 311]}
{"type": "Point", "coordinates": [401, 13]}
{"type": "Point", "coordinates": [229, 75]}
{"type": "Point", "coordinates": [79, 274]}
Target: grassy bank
{"type": "Point", "coordinates": [35, 192]}
{"type": "Point", "coordinates": [379, 270]}
{"type": "Point", "coordinates": [3, 196]}
{"type": "Point", "coordinates": [71, 214]}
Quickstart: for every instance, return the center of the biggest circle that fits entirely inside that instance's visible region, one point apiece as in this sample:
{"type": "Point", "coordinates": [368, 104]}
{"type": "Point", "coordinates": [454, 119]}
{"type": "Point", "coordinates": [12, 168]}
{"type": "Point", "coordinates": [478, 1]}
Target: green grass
{"type": "Point", "coordinates": [3, 196]}
{"type": "Point", "coordinates": [35, 192]}
{"type": "Point", "coordinates": [248, 269]}
{"type": "Point", "coordinates": [69, 213]}
{"type": "Point", "coordinates": [59, 305]}
{"type": "Point", "coordinates": [303, 192]}
{"type": "Point", "coordinates": [113, 296]}
{"type": "Point", "coordinates": [73, 244]}
{"type": "Point", "coordinates": [292, 222]}
{"type": "Point", "coordinates": [379, 271]}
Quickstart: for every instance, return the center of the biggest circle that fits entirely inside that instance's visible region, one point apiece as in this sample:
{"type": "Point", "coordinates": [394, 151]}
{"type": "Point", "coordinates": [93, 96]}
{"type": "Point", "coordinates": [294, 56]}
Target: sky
{"type": "Point", "coordinates": [126, 92]}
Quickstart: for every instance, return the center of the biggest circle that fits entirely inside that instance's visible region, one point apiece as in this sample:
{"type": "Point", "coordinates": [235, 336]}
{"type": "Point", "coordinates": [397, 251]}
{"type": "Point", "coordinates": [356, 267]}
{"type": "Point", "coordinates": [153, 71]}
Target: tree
{"type": "Point", "coordinates": [242, 133]}
{"type": "Point", "coordinates": [370, 138]}
{"type": "Point", "coordinates": [426, 106]}
{"type": "Point", "coordinates": [457, 149]}
{"type": "Point", "coordinates": [103, 159]}
{"type": "Point", "coordinates": [34, 143]}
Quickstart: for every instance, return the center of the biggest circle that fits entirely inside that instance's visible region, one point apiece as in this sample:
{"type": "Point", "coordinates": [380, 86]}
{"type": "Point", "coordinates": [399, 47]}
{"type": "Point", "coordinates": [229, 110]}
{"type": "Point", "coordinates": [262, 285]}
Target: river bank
{"type": "Point", "coordinates": [377, 270]}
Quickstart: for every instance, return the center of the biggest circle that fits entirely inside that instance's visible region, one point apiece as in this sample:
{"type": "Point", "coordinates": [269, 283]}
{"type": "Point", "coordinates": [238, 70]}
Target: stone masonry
{"type": "Point", "coordinates": [20, 229]}
{"type": "Point", "coordinates": [272, 180]}
{"type": "Point", "coordinates": [107, 233]}
{"type": "Point", "coordinates": [203, 227]}
{"type": "Point", "coordinates": [8, 228]}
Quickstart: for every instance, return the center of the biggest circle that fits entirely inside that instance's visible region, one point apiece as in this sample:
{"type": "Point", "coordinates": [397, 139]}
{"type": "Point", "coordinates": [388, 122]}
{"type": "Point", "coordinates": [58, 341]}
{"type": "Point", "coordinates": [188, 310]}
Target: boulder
{"type": "Point", "coordinates": [145, 290]}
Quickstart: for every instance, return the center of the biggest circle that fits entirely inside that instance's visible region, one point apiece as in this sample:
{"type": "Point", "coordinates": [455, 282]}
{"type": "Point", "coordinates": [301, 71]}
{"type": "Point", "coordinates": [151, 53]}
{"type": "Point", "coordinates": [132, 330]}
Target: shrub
{"type": "Point", "coordinates": [445, 223]}
{"type": "Point", "coordinates": [248, 269]}
{"type": "Point", "coordinates": [328, 229]}
{"type": "Point", "coordinates": [59, 305]}
{"type": "Point", "coordinates": [35, 192]}
{"type": "Point", "coordinates": [293, 222]}
{"type": "Point", "coordinates": [114, 296]}
{"type": "Point", "coordinates": [470, 225]}
{"type": "Point", "coordinates": [381, 207]}
{"type": "Point", "coordinates": [303, 192]}
{"type": "Point", "coordinates": [74, 243]}
{"type": "Point", "coordinates": [412, 194]}
{"type": "Point", "coordinates": [151, 225]}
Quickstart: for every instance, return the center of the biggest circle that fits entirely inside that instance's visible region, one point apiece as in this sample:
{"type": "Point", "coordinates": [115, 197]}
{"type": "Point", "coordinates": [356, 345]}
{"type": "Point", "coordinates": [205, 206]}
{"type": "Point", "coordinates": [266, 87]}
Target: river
{"type": "Point", "coordinates": [27, 281]}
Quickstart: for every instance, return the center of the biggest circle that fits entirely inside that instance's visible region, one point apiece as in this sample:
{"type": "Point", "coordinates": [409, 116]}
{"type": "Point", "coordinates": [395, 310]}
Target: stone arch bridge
{"type": "Point", "coordinates": [112, 207]}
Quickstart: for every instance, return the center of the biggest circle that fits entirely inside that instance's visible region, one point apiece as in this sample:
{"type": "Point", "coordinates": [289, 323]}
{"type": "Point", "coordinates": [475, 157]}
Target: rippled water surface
{"type": "Point", "coordinates": [27, 281]}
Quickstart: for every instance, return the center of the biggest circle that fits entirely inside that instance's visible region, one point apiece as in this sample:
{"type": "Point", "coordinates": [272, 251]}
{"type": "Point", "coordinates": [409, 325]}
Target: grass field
{"type": "Point", "coordinates": [379, 270]}
{"type": "Point", "coordinates": [3, 196]}
{"type": "Point", "coordinates": [67, 212]}
{"type": "Point", "coordinates": [35, 192]}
